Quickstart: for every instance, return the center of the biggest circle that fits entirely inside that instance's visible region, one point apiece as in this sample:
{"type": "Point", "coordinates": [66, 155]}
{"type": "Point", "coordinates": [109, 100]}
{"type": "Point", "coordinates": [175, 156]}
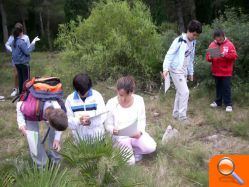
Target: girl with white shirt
{"type": "Point", "coordinates": [125, 109]}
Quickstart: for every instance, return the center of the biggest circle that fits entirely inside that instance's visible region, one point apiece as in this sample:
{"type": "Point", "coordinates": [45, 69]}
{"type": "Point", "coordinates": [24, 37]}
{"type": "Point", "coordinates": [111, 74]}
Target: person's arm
{"type": "Point", "coordinates": [20, 118]}
{"type": "Point", "coordinates": [26, 49]}
{"type": "Point", "coordinates": [170, 54]}
{"type": "Point", "coordinates": [101, 108]}
{"type": "Point", "coordinates": [8, 44]}
{"type": "Point", "coordinates": [231, 54]}
{"type": "Point", "coordinates": [73, 122]}
{"type": "Point", "coordinates": [109, 121]}
{"type": "Point", "coordinates": [141, 117]}
{"type": "Point", "coordinates": [191, 63]}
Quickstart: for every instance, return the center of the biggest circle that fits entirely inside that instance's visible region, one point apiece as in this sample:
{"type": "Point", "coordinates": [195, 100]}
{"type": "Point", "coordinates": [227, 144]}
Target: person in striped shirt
{"type": "Point", "coordinates": [85, 109]}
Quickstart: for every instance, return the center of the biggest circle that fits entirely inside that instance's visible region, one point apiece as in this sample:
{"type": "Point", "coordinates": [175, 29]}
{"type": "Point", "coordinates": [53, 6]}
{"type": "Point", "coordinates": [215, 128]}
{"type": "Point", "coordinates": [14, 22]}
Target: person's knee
{"type": "Point", "coordinates": [184, 93]}
{"type": "Point", "coordinates": [149, 147]}
{"type": "Point", "coordinates": [131, 160]}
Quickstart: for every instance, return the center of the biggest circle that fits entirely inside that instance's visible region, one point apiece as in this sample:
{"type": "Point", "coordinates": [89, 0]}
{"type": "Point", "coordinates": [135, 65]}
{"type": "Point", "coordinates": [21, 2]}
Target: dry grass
{"type": "Point", "coordinates": [183, 162]}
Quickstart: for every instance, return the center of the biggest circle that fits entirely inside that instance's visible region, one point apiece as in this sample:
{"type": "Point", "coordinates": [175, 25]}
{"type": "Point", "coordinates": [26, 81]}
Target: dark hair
{"type": "Point", "coordinates": [18, 29]}
{"type": "Point", "coordinates": [195, 26]}
{"type": "Point", "coordinates": [127, 83]}
{"type": "Point", "coordinates": [82, 83]}
{"type": "Point", "coordinates": [58, 119]}
{"type": "Point", "coordinates": [218, 33]}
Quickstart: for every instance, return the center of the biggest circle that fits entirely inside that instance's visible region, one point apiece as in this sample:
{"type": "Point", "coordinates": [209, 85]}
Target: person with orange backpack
{"type": "Point", "coordinates": [41, 100]}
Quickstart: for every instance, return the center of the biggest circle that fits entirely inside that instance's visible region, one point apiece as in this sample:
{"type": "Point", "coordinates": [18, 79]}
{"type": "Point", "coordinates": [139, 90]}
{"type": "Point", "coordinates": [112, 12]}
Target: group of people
{"type": "Point", "coordinates": [88, 115]}
{"type": "Point", "coordinates": [179, 63]}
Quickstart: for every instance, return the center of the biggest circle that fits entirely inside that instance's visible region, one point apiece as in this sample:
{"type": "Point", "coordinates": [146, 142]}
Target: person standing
{"type": "Point", "coordinates": [15, 74]}
{"type": "Point", "coordinates": [21, 55]}
{"type": "Point", "coordinates": [179, 63]}
{"type": "Point", "coordinates": [222, 68]}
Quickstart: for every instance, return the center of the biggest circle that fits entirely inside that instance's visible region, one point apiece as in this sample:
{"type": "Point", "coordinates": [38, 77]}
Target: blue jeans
{"type": "Point", "coordinates": [223, 90]}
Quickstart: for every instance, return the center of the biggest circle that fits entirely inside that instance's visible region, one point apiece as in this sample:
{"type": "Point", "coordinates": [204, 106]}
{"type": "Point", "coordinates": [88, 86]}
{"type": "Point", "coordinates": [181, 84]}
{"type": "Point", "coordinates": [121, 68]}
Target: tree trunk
{"type": "Point", "coordinates": [48, 31]}
{"type": "Point", "coordinates": [41, 23]}
{"type": "Point", "coordinates": [4, 22]}
{"type": "Point", "coordinates": [24, 25]}
{"type": "Point", "coordinates": [179, 14]}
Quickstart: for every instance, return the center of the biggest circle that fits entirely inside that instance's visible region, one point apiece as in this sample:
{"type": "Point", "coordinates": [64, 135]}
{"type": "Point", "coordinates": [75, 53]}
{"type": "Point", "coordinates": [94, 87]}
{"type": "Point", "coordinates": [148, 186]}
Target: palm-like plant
{"type": "Point", "coordinates": [98, 161]}
{"type": "Point", "coordinates": [33, 176]}
{"type": "Point", "coordinates": [46, 177]}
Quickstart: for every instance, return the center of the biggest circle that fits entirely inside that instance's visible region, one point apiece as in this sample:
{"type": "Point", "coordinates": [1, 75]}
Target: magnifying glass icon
{"type": "Point", "coordinates": [226, 167]}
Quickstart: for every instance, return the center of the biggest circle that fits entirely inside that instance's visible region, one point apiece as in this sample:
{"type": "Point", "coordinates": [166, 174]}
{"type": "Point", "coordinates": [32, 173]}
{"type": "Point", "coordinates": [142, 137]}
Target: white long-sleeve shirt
{"type": "Point", "coordinates": [119, 117]}
{"type": "Point", "coordinates": [21, 118]}
{"type": "Point", "coordinates": [93, 106]}
{"type": "Point", "coordinates": [11, 39]}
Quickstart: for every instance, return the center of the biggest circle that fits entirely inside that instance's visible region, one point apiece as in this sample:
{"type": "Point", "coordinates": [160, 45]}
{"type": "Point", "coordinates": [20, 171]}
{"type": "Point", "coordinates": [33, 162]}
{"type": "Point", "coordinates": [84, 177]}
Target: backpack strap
{"type": "Point", "coordinates": [62, 105]}
{"type": "Point", "coordinates": [39, 109]}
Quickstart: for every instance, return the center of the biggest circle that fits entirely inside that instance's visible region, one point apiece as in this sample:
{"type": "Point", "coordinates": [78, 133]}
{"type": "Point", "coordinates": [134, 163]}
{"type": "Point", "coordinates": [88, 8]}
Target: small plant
{"type": "Point", "coordinates": [96, 159]}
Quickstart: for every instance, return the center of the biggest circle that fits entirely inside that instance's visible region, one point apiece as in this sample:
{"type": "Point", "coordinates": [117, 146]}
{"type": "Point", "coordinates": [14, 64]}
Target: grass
{"type": "Point", "coordinates": [183, 162]}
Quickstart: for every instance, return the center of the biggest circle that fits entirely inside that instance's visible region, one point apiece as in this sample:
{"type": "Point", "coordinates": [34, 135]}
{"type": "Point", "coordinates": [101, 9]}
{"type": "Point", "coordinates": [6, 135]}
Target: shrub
{"type": "Point", "coordinates": [98, 162]}
{"type": "Point", "coordinates": [116, 39]}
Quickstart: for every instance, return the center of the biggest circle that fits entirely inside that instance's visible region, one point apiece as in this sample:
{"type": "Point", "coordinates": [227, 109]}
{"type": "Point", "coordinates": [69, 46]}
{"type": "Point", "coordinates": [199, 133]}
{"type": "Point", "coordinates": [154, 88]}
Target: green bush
{"type": "Point", "coordinates": [116, 39]}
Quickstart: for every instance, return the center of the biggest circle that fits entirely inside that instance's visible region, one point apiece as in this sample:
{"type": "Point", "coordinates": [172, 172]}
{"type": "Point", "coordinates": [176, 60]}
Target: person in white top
{"type": "Point", "coordinates": [123, 110]}
{"type": "Point", "coordinates": [85, 109]}
{"type": "Point", "coordinates": [54, 117]}
{"type": "Point", "coordinates": [179, 61]}
{"type": "Point", "coordinates": [9, 49]}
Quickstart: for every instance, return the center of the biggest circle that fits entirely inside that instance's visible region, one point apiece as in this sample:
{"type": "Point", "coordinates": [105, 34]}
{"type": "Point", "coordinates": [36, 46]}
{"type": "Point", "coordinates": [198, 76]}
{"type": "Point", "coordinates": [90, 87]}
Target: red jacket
{"type": "Point", "coordinates": [223, 66]}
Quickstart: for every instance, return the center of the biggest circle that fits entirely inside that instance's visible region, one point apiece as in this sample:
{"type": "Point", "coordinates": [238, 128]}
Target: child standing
{"type": "Point", "coordinates": [54, 117]}
{"type": "Point", "coordinates": [222, 68]}
{"type": "Point", "coordinates": [179, 62]}
{"type": "Point", "coordinates": [9, 49]}
{"type": "Point", "coordinates": [21, 55]}
{"type": "Point", "coordinates": [42, 101]}
{"type": "Point", "coordinates": [85, 109]}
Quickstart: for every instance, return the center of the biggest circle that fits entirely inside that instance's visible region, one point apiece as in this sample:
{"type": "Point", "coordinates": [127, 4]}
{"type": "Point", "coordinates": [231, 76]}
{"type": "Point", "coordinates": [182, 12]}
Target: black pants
{"type": "Point", "coordinates": [23, 74]}
{"type": "Point", "coordinates": [223, 91]}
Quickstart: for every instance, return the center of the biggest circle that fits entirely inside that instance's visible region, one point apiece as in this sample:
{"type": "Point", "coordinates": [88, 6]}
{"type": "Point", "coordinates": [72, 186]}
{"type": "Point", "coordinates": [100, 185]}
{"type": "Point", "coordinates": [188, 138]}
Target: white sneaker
{"type": "Point", "coordinates": [213, 105]}
{"type": "Point", "coordinates": [138, 158]}
{"type": "Point", "coordinates": [2, 98]}
{"type": "Point", "coordinates": [14, 93]}
{"type": "Point", "coordinates": [229, 109]}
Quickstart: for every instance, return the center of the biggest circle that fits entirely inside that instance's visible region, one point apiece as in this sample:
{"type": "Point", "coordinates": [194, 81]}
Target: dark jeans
{"type": "Point", "coordinates": [23, 74]}
{"type": "Point", "coordinates": [223, 91]}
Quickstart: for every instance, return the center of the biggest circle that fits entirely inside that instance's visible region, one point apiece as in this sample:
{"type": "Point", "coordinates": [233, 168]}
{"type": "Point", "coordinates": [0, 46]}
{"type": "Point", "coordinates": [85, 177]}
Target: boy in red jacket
{"type": "Point", "coordinates": [222, 58]}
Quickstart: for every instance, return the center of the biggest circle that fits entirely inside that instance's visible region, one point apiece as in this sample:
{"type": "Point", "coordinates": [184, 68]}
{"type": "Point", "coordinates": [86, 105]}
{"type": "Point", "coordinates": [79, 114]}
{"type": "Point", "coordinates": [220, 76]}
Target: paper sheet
{"type": "Point", "coordinates": [214, 52]}
{"type": "Point", "coordinates": [166, 83]}
{"type": "Point", "coordinates": [32, 138]}
{"type": "Point", "coordinates": [128, 131]}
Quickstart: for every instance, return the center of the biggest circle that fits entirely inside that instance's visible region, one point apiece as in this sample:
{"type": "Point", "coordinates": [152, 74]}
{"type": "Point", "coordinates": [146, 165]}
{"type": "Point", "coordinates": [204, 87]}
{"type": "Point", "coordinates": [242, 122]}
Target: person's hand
{"type": "Point", "coordinates": [36, 39]}
{"type": "Point", "coordinates": [210, 57]}
{"type": "Point", "coordinates": [137, 135]}
{"type": "Point", "coordinates": [191, 78]}
{"type": "Point", "coordinates": [115, 132]}
{"type": "Point", "coordinates": [85, 120]}
{"type": "Point", "coordinates": [23, 130]}
{"type": "Point", "coordinates": [165, 74]}
{"type": "Point", "coordinates": [222, 55]}
{"type": "Point", "coordinates": [56, 145]}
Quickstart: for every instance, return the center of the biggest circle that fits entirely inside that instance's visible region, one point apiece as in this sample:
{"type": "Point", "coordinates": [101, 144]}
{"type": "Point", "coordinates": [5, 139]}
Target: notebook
{"type": "Point", "coordinates": [214, 52]}
{"type": "Point", "coordinates": [131, 130]}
